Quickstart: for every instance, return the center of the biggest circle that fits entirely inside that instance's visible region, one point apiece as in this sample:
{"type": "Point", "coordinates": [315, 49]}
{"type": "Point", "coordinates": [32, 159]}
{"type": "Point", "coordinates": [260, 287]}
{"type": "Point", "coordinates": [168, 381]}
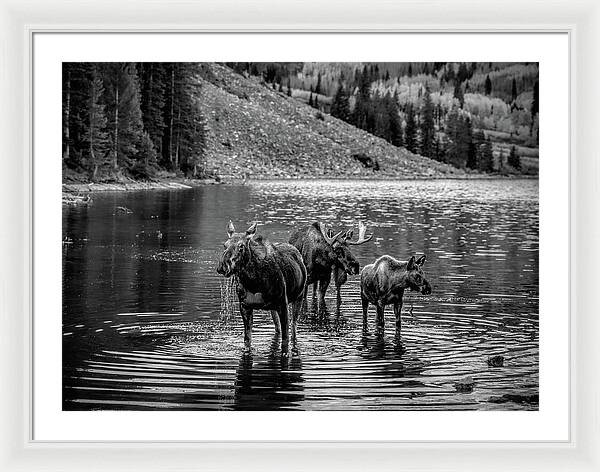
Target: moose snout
{"type": "Point", "coordinates": [223, 268]}
{"type": "Point", "coordinates": [353, 268]}
{"type": "Point", "coordinates": [426, 288]}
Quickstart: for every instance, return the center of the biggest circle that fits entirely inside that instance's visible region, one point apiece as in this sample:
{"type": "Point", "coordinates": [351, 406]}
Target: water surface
{"type": "Point", "coordinates": [146, 324]}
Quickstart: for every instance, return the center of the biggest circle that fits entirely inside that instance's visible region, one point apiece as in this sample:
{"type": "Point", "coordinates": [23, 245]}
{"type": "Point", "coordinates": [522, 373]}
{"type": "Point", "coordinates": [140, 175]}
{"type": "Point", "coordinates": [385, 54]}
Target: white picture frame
{"type": "Point", "coordinates": [19, 21]}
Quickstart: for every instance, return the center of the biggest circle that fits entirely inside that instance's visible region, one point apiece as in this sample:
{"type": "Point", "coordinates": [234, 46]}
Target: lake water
{"type": "Point", "coordinates": [147, 323]}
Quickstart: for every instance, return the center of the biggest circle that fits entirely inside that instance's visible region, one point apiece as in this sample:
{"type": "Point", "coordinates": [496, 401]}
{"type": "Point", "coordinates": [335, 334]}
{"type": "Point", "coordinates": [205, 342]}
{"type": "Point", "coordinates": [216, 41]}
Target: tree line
{"type": "Point", "coordinates": [131, 119]}
{"type": "Point", "coordinates": [394, 101]}
{"type": "Point", "coordinates": [444, 135]}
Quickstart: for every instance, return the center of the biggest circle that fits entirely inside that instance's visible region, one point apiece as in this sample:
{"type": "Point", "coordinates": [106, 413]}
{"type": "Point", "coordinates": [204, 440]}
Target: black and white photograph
{"type": "Point", "coordinates": [300, 236]}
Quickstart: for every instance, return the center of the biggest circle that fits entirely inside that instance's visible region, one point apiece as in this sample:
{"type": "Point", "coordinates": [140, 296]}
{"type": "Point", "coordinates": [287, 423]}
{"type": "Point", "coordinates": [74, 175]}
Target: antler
{"type": "Point", "coordinates": [230, 229]}
{"type": "Point", "coordinates": [362, 229]}
{"type": "Point", "coordinates": [330, 239]}
{"type": "Point", "coordinates": [251, 231]}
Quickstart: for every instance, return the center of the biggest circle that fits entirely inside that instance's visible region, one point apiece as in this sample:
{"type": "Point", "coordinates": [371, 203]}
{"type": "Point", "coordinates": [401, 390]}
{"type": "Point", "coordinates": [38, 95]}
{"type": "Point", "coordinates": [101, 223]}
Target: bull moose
{"type": "Point", "coordinates": [324, 252]}
{"type": "Point", "coordinates": [340, 276]}
{"type": "Point", "coordinates": [383, 283]}
{"type": "Point", "coordinates": [269, 277]}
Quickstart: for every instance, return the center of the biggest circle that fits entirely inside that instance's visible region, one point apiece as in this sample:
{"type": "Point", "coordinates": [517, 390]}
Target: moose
{"type": "Point", "coordinates": [383, 283]}
{"type": "Point", "coordinates": [324, 252]}
{"type": "Point", "coordinates": [270, 276]}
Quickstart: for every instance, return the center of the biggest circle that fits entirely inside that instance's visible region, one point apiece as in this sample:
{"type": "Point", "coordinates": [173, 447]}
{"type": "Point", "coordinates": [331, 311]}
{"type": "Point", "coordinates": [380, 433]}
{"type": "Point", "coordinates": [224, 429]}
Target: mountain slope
{"type": "Point", "coordinates": [257, 132]}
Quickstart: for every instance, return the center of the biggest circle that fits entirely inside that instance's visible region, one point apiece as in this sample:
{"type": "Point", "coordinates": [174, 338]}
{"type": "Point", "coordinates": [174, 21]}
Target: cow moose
{"type": "Point", "coordinates": [269, 277]}
{"type": "Point", "coordinates": [383, 283]}
{"type": "Point", "coordinates": [324, 252]}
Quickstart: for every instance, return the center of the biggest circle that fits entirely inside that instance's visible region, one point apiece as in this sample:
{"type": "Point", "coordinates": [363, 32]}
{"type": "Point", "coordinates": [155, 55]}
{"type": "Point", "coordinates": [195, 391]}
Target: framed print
{"type": "Point", "coordinates": [249, 240]}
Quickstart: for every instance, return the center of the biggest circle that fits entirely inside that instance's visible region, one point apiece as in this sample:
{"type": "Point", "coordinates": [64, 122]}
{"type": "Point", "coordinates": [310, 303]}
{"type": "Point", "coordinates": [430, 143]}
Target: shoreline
{"type": "Point", "coordinates": [78, 188]}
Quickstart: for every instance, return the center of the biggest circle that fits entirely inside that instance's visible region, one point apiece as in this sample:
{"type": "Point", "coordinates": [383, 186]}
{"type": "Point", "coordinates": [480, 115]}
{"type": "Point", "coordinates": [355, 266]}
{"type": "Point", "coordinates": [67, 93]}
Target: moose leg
{"type": "Point", "coordinates": [296, 307]}
{"type": "Point", "coordinates": [314, 296]}
{"type": "Point", "coordinates": [365, 308]}
{"type": "Point", "coordinates": [247, 313]}
{"type": "Point", "coordinates": [285, 332]}
{"type": "Point", "coordinates": [323, 284]}
{"type": "Point", "coordinates": [380, 321]}
{"type": "Point", "coordinates": [304, 303]}
{"type": "Point", "coordinates": [397, 314]}
{"type": "Point", "coordinates": [276, 322]}
{"type": "Point", "coordinates": [338, 299]}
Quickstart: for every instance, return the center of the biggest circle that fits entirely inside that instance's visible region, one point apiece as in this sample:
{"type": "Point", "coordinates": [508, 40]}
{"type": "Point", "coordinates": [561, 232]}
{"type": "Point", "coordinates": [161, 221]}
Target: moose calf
{"type": "Point", "coordinates": [383, 283]}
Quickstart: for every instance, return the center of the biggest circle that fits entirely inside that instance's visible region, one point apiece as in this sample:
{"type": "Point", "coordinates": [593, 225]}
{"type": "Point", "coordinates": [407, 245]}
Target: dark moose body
{"type": "Point", "coordinates": [323, 253]}
{"type": "Point", "coordinates": [269, 277]}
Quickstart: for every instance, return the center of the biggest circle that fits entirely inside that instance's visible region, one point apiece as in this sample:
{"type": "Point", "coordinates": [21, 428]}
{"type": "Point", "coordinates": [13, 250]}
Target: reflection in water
{"type": "Point", "coordinates": [143, 326]}
{"type": "Point", "coordinates": [276, 381]}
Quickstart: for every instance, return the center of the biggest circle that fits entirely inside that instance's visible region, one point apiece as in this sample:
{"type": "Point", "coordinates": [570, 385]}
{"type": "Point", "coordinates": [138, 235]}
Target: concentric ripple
{"type": "Point", "coordinates": [149, 324]}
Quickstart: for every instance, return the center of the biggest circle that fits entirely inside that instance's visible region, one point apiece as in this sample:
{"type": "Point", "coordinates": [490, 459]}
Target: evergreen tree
{"type": "Point", "coordinates": [318, 88]}
{"type": "Point", "coordinates": [449, 74]}
{"type": "Point", "coordinates": [395, 126]}
{"type": "Point", "coordinates": [188, 130]}
{"type": "Point", "coordinates": [123, 112]}
{"type": "Point", "coordinates": [439, 149]}
{"type": "Point", "coordinates": [463, 73]}
{"type": "Point", "coordinates": [66, 112]}
{"type": "Point", "coordinates": [458, 93]}
{"type": "Point", "coordinates": [478, 142]}
{"type": "Point", "coordinates": [289, 88]}
{"type": "Point", "coordinates": [471, 145]}
{"type": "Point", "coordinates": [76, 84]}
{"type": "Point", "coordinates": [310, 100]}
{"type": "Point", "coordinates": [458, 139]}
{"type": "Point", "coordinates": [361, 107]}
{"type": "Point", "coordinates": [514, 93]}
{"type": "Point", "coordinates": [96, 135]}
{"type": "Point", "coordinates": [147, 165]}
{"type": "Point", "coordinates": [152, 91]}
{"type": "Point", "coordinates": [488, 85]}
{"type": "Point", "coordinates": [410, 139]}
{"type": "Point", "coordinates": [116, 116]}
{"type": "Point", "coordinates": [501, 161]}
{"type": "Point", "coordinates": [340, 106]}
{"type": "Point", "coordinates": [513, 158]}
{"type": "Point", "coordinates": [486, 161]}
{"type": "Point", "coordinates": [382, 119]}
{"type": "Point", "coordinates": [316, 104]}
{"type": "Point", "coordinates": [427, 125]}
{"type": "Point", "coordinates": [473, 69]}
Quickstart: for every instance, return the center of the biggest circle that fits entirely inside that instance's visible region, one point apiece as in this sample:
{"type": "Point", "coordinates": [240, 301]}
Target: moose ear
{"type": "Point", "coordinates": [411, 264]}
{"type": "Point", "coordinates": [250, 232]}
{"type": "Point", "coordinates": [421, 260]}
{"type": "Point", "coordinates": [230, 229]}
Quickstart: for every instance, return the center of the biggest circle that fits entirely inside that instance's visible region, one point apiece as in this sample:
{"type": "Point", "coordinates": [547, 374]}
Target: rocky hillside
{"type": "Point", "coordinates": [257, 132]}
